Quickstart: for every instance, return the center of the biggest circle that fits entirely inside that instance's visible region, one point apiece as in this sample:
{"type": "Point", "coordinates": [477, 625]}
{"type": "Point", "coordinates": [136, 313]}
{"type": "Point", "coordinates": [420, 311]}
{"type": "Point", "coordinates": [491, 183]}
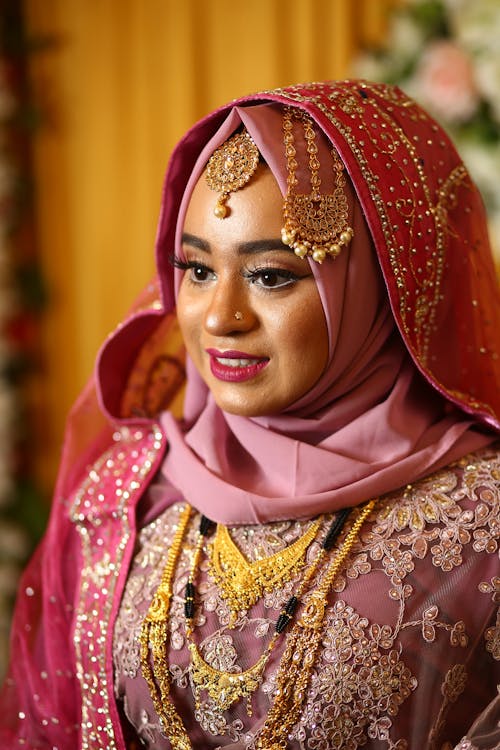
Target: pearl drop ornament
{"type": "Point", "coordinates": [319, 254]}
{"type": "Point", "coordinates": [220, 211]}
{"type": "Point", "coordinates": [300, 250]}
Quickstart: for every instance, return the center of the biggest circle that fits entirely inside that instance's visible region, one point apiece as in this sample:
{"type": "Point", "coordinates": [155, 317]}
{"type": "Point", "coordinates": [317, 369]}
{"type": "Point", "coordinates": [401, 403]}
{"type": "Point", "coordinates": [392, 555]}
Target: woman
{"type": "Point", "coordinates": [308, 558]}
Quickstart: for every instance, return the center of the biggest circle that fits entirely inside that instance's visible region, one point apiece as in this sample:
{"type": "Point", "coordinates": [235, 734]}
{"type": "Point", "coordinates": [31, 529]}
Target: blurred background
{"type": "Point", "coordinates": [94, 95]}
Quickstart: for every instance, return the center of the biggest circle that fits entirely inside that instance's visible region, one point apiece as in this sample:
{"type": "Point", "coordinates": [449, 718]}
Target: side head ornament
{"type": "Point", "coordinates": [315, 224]}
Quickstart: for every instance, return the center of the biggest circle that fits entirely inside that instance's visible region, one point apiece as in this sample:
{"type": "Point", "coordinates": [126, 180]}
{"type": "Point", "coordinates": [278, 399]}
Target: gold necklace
{"type": "Point", "coordinates": [301, 651]}
{"type": "Point", "coordinates": [301, 646]}
{"type": "Point", "coordinates": [225, 688]}
{"type": "Point", "coordinates": [155, 636]}
{"type": "Point", "coordinates": [241, 583]}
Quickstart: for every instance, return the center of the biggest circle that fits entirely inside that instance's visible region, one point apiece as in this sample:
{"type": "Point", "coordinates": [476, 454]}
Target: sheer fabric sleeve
{"type": "Point", "coordinates": [39, 703]}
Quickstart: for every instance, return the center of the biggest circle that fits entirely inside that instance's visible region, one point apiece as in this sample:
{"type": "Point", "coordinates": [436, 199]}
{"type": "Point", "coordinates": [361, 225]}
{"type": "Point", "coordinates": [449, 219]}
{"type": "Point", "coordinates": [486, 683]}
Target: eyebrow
{"type": "Point", "coordinates": [244, 248]}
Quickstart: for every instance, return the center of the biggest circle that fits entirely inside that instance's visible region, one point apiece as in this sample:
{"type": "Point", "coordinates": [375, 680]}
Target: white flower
{"type": "Point", "coordinates": [406, 38]}
{"type": "Point", "coordinates": [403, 42]}
{"type": "Point", "coordinates": [476, 24]}
{"type": "Point", "coordinates": [484, 167]}
{"type": "Point", "coordinates": [488, 80]}
{"type": "Point", "coordinates": [370, 67]}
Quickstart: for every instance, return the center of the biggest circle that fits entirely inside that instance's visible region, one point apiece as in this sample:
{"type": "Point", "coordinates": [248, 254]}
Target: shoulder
{"type": "Point", "coordinates": [444, 524]}
{"type": "Point", "coordinates": [467, 490]}
{"type": "Point", "coordinates": [119, 474]}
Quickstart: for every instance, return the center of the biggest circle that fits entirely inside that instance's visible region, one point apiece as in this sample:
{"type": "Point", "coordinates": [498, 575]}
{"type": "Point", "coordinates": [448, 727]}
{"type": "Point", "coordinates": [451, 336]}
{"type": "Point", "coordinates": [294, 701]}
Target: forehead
{"type": "Point", "coordinates": [258, 204]}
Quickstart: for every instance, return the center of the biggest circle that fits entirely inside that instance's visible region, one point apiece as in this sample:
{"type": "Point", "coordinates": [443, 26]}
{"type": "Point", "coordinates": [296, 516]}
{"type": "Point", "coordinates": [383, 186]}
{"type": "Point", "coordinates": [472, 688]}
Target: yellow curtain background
{"type": "Point", "coordinates": [117, 84]}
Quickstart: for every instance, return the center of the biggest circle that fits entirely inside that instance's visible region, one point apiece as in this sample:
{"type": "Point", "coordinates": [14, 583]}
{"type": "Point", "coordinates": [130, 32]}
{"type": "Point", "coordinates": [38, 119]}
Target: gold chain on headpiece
{"type": "Point", "coordinates": [298, 660]}
{"type": "Point", "coordinates": [230, 167]}
{"type": "Point", "coordinates": [315, 224]}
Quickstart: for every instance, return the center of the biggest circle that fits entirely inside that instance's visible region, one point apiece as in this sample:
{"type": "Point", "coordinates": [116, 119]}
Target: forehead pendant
{"type": "Point", "coordinates": [315, 223]}
{"type": "Point", "coordinates": [230, 167]}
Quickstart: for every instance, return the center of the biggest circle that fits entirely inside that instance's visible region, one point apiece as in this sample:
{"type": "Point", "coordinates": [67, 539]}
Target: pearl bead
{"type": "Point", "coordinates": [300, 250]}
{"type": "Point", "coordinates": [346, 236]}
{"type": "Point", "coordinates": [335, 249]}
{"type": "Point", "coordinates": [220, 211]}
{"type": "Point", "coordinates": [319, 255]}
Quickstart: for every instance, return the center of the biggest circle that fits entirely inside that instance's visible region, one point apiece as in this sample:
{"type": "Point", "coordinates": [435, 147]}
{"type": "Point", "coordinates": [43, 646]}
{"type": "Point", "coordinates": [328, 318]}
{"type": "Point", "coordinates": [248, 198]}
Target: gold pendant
{"type": "Point", "coordinates": [225, 688]}
{"type": "Point", "coordinates": [242, 583]}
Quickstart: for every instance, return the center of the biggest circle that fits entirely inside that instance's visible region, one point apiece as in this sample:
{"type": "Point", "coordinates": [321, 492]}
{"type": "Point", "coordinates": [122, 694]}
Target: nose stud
{"type": "Point", "coordinates": [238, 315]}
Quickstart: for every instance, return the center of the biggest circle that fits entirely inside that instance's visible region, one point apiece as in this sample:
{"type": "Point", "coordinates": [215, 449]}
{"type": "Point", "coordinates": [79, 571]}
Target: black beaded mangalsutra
{"type": "Point", "coordinates": [331, 537]}
{"type": "Point", "coordinates": [227, 687]}
{"type": "Point", "coordinates": [205, 529]}
{"type": "Point", "coordinates": [288, 612]}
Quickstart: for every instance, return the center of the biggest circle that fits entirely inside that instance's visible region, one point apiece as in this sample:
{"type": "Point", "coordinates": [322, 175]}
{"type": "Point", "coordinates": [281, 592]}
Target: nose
{"type": "Point", "coordinates": [228, 312]}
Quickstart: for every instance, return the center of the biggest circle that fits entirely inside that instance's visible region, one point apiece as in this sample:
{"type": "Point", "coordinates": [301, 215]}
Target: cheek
{"type": "Point", "coordinates": [187, 316]}
{"type": "Point", "coordinates": [303, 330]}
{"type": "Point", "coordinates": [311, 345]}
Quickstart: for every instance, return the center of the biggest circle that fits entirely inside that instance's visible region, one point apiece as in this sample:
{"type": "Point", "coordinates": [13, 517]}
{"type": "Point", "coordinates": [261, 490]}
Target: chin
{"type": "Point", "coordinates": [247, 409]}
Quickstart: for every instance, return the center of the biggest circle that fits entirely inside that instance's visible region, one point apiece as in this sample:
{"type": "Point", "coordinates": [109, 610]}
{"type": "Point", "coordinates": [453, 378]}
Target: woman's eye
{"type": "Point", "coordinates": [199, 273]}
{"type": "Point", "coordinates": [273, 278]}
{"type": "Point", "coordinates": [196, 272]}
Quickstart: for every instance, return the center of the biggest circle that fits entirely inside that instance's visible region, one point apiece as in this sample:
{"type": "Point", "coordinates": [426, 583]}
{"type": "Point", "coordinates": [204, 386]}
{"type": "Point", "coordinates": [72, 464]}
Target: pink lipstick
{"type": "Point", "coordinates": [234, 366]}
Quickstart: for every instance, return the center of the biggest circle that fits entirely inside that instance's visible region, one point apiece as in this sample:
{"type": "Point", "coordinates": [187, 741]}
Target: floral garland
{"type": "Point", "coordinates": [445, 54]}
{"type": "Point", "coordinates": [22, 511]}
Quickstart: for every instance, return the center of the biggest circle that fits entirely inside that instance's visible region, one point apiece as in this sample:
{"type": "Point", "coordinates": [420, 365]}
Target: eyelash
{"type": "Point", "coordinates": [251, 274]}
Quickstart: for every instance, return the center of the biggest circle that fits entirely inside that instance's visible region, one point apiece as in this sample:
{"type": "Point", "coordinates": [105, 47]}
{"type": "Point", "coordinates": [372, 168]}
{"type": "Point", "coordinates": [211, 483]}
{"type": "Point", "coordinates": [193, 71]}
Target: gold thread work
{"type": "Point", "coordinates": [315, 224]}
{"type": "Point", "coordinates": [230, 167]}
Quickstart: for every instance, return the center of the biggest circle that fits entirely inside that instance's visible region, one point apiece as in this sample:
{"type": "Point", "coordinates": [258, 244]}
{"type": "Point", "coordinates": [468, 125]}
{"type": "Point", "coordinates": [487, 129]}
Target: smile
{"type": "Point", "coordinates": [236, 362]}
{"type": "Point", "coordinates": [234, 367]}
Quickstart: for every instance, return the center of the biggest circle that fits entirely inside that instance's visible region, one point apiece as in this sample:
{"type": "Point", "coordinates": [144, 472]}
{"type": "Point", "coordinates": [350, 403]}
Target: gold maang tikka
{"type": "Point", "coordinates": [230, 167]}
{"type": "Point", "coordinates": [315, 223]}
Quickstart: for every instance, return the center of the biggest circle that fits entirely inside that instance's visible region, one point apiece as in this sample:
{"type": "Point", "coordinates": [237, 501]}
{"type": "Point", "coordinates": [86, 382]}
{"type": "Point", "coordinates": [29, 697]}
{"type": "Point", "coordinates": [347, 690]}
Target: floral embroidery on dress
{"type": "Point", "coordinates": [492, 637]}
{"type": "Point", "coordinates": [380, 632]}
{"type": "Point", "coordinates": [360, 686]}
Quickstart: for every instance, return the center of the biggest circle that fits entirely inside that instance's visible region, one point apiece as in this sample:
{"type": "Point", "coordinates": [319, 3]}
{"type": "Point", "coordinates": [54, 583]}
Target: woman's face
{"type": "Point", "coordinates": [249, 309]}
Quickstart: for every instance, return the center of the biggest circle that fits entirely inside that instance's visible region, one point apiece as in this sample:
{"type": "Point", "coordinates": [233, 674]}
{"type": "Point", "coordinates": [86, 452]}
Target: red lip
{"type": "Point", "coordinates": [236, 373]}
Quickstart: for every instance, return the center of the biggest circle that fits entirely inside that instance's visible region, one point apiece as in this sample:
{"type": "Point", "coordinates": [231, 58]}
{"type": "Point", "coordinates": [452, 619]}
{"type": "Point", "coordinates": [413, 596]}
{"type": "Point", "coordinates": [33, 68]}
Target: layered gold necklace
{"type": "Point", "coordinates": [302, 643]}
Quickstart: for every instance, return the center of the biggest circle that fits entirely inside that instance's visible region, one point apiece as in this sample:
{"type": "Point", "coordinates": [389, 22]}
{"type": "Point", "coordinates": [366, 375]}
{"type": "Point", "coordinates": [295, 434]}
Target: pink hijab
{"type": "Point", "coordinates": [368, 426]}
{"type": "Point", "coordinates": [398, 399]}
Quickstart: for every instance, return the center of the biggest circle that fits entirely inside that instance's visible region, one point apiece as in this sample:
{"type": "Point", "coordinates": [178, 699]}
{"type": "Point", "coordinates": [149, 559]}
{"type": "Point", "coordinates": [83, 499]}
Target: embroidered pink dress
{"type": "Point", "coordinates": [401, 637]}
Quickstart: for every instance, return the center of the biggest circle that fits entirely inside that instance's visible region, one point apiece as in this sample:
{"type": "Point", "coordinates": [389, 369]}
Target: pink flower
{"type": "Point", "coordinates": [445, 82]}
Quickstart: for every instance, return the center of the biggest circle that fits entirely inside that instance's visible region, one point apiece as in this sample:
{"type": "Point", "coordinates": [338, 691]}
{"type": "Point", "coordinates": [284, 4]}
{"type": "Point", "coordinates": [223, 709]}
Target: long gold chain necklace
{"type": "Point", "coordinates": [240, 582]}
{"type": "Point", "coordinates": [155, 636]}
{"type": "Point", "coordinates": [301, 646]}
